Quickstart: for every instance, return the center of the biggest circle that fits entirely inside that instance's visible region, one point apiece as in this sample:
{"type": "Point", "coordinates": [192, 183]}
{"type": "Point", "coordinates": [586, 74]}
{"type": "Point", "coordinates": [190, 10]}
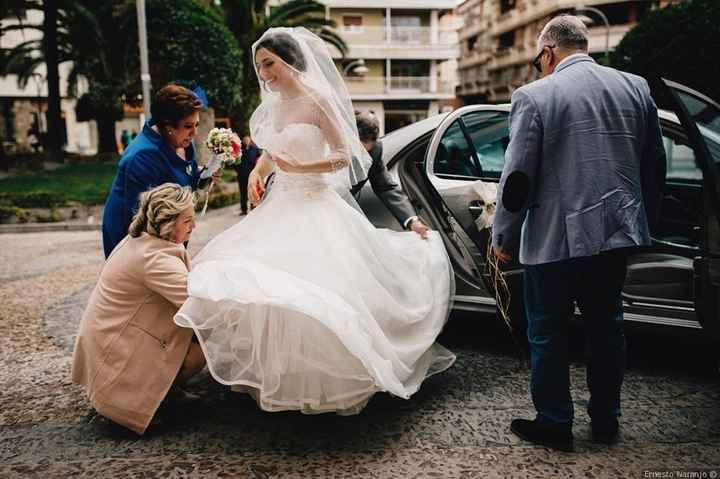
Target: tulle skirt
{"type": "Point", "coordinates": [306, 306]}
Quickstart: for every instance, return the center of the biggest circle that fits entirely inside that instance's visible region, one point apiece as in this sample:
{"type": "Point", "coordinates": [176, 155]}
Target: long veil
{"type": "Point", "coordinates": [324, 86]}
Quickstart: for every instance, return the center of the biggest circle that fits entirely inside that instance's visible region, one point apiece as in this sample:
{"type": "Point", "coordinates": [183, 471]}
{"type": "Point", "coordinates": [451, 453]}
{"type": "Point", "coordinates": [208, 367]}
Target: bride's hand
{"type": "Point", "coordinates": [256, 188]}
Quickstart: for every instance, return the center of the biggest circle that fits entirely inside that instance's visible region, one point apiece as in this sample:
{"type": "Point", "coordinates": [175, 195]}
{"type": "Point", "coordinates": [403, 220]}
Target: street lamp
{"type": "Point", "coordinates": [587, 20]}
{"type": "Point", "coordinates": [144, 64]}
{"type": "Point", "coordinates": [356, 66]}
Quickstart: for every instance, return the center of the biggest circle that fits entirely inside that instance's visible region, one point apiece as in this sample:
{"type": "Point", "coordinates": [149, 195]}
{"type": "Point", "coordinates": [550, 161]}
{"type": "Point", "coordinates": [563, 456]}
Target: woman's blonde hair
{"type": "Point", "coordinates": [159, 208]}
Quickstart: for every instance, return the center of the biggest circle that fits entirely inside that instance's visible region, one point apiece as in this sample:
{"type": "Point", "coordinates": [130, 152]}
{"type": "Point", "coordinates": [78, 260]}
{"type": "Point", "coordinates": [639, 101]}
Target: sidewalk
{"type": "Point", "coordinates": [47, 227]}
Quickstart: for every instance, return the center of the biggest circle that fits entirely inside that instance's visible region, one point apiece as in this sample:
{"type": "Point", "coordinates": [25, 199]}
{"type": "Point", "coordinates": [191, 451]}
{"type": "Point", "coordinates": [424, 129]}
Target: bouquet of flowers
{"type": "Point", "coordinates": [225, 146]}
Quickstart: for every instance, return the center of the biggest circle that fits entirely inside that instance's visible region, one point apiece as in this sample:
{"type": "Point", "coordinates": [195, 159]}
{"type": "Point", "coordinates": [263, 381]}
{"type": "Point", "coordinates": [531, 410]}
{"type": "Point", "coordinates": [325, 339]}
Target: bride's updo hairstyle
{"type": "Point", "coordinates": [158, 210]}
{"type": "Point", "coordinates": [286, 47]}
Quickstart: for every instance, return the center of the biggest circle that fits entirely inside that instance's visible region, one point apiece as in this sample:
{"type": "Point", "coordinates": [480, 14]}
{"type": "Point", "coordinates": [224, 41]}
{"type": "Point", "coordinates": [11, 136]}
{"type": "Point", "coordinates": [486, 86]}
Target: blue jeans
{"type": "Point", "coordinates": [551, 292]}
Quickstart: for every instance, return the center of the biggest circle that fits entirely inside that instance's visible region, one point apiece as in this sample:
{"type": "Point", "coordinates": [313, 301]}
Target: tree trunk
{"type": "Point", "coordinates": [106, 134]}
{"type": "Point", "coordinates": [4, 160]}
{"type": "Point", "coordinates": [54, 120]}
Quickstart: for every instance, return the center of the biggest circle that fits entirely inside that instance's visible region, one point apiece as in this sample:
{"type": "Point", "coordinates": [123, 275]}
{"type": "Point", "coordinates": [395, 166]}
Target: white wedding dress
{"type": "Point", "coordinates": [307, 306]}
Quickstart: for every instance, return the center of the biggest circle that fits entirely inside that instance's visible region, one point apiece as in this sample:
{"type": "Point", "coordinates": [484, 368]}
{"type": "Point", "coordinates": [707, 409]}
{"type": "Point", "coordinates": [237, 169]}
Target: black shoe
{"type": "Point", "coordinates": [549, 435]}
{"type": "Point", "coordinates": [605, 433]}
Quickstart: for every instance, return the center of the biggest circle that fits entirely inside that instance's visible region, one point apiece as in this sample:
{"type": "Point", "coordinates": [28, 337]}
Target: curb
{"type": "Point", "coordinates": [46, 227]}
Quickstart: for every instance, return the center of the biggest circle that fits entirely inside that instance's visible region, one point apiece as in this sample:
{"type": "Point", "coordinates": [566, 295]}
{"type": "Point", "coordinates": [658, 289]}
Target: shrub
{"type": "Point", "coordinates": [53, 217]}
{"type": "Point", "coordinates": [32, 199]}
{"type": "Point", "coordinates": [7, 213]}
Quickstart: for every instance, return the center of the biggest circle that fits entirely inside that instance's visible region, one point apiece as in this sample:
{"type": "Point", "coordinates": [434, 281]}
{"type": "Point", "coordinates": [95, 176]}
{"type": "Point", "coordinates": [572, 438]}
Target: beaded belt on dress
{"type": "Point", "coordinates": [305, 183]}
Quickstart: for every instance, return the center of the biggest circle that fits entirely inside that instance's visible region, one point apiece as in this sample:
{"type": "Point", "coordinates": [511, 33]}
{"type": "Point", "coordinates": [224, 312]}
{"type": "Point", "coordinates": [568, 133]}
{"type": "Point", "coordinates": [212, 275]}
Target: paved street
{"type": "Point", "coordinates": [456, 426]}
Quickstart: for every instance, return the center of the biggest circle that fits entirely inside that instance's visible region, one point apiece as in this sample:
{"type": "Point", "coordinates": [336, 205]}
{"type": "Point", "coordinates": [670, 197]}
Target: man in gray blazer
{"type": "Point", "coordinates": [583, 175]}
{"type": "Point", "coordinates": [382, 183]}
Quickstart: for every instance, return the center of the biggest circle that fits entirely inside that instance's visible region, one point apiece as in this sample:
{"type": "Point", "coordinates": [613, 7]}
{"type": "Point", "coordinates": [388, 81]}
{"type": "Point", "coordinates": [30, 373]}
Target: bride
{"type": "Point", "coordinates": [304, 304]}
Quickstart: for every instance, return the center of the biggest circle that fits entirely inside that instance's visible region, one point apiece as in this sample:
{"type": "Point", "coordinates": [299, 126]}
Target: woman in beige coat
{"type": "Point", "coordinates": [129, 352]}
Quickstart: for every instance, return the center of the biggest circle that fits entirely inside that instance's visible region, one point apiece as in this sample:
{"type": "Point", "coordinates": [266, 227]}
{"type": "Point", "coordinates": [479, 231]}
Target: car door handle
{"type": "Point", "coordinates": [476, 209]}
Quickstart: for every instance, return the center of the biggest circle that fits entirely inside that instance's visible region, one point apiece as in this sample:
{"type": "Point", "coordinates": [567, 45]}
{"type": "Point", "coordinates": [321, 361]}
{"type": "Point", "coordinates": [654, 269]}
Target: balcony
{"type": "Point", "coordinates": [400, 4]}
{"type": "Point", "coordinates": [376, 42]}
{"type": "Point", "coordinates": [397, 87]}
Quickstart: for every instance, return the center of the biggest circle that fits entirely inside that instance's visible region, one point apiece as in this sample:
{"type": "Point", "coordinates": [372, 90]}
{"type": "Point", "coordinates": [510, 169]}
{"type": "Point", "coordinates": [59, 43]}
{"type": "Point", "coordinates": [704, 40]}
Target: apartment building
{"type": "Point", "coordinates": [402, 58]}
{"type": "Point", "coordinates": [498, 39]}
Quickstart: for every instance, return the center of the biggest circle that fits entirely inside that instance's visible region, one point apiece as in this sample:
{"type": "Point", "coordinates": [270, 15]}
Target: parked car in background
{"type": "Point", "coordinates": [674, 283]}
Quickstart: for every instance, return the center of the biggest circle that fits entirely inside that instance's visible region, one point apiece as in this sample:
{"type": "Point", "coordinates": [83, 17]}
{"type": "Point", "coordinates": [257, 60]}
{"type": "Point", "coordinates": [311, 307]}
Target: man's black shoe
{"type": "Point", "coordinates": [607, 433]}
{"type": "Point", "coordinates": [544, 434]}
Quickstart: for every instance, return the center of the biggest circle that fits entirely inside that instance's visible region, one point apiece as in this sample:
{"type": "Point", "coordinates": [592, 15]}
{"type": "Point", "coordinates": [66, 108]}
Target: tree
{"type": "Point", "coordinates": [20, 60]}
{"type": "Point", "coordinates": [249, 19]}
{"type": "Point", "coordinates": [188, 42]}
{"type": "Point", "coordinates": [191, 44]}
{"type": "Point", "coordinates": [50, 52]}
{"type": "Point", "coordinates": [679, 42]}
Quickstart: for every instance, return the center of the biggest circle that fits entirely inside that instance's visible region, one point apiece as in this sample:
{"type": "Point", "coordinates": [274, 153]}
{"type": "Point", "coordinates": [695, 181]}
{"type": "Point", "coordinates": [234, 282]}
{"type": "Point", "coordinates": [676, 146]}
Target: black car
{"type": "Point", "coordinates": [674, 283]}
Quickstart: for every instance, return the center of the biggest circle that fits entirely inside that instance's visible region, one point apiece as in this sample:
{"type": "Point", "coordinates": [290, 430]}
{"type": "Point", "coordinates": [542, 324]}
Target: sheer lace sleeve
{"type": "Point", "coordinates": [339, 156]}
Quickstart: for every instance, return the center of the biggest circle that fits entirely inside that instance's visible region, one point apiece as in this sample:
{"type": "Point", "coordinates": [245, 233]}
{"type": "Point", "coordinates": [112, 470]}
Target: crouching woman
{"type": "Point", "coordinates": [129, 352]}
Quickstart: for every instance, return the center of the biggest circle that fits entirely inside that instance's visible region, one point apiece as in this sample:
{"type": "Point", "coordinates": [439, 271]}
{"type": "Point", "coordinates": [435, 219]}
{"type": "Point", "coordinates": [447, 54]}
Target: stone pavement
{"type": "Point", "coordinates": [455, 426]}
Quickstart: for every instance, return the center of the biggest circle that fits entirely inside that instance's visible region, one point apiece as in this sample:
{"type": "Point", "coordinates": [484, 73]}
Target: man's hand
{"type": "Point", "coordinates": [256, 188]}
{"type": "Point", "coordinates": [501, 255]}
{"type": "Point", "coordinates": [420, 228]}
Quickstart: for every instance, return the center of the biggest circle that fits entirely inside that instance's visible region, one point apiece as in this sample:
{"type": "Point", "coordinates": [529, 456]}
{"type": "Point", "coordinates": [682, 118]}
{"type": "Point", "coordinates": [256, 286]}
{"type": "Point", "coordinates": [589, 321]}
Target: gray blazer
{"type": "Point", "coordinates": [385, 188]}
{"type": "Point", "coordinates": [585, 165]}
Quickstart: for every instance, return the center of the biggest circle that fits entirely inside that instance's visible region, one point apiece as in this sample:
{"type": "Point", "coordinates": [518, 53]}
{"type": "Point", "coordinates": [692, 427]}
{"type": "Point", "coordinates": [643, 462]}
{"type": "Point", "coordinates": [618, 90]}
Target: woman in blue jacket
{"type": "Point", "coordinates": [162, 153]}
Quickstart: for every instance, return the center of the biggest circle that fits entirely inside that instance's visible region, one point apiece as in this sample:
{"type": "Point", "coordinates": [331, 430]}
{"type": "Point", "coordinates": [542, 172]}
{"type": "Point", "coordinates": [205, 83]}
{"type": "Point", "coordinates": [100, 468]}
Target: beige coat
{"type": "Point", "coordinates": [128, 350]}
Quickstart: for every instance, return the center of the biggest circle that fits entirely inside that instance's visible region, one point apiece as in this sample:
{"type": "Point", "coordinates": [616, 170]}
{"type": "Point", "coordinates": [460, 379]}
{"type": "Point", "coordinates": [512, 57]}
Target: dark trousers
{"type": "Point", "coordinates": [593, 283]}
{"type": "Point", "coordinates": [242, 180]}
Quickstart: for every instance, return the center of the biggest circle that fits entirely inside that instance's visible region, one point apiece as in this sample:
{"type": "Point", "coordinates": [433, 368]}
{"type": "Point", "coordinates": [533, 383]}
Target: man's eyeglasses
{"type": "Point", "coordinates": [536, 61]}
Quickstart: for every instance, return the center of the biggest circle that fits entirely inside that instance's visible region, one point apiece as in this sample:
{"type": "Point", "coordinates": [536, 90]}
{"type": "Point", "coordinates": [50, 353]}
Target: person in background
{"type": "Point", "coordinates": [125, 139]}
{"type": "Point", "coordinates": [250, 154]}
{"type": "Point", "coordinates": [164, 152]}
{"type": "Point", "coordinates": [129, 352]}
{"type": "Point", "coordinates": [382, 183]}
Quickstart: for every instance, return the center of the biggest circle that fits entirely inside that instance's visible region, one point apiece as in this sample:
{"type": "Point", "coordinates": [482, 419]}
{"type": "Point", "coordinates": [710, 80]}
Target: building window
{"type": "Point", "coordinates": [506, 40]}
{"type": "Point", "coordinates": [352, 24]}
{"type": "Point", "coordinates": [506, 5]}
{"type": "Point", "coordinates": [472, 41]}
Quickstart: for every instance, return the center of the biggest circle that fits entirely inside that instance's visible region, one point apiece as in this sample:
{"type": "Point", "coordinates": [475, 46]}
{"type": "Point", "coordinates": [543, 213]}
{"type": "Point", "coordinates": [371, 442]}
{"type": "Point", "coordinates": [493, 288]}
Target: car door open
{"type": "Point", "coordinates": [700, 116]}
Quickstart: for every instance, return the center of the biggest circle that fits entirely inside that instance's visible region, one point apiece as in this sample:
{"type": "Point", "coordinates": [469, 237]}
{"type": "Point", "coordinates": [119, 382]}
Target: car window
{"type": "Point", "coordinates": [680, 161]}
{"type": "Point", "coordinates": [707, 117]}
{"type": "Point", "coordinates": [454, 155]}
{"type": "Point", "coordinates": [489, 133]}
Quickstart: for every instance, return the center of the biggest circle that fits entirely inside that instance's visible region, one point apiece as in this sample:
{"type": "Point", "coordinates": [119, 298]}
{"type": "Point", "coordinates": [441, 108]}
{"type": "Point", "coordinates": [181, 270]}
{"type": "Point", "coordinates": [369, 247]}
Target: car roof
{"type": "Point", "coordinates": [396, 140]}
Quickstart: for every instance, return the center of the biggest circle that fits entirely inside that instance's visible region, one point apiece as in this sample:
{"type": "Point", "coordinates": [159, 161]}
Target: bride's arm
{"type": "Point", "coordinates": [264, 165]}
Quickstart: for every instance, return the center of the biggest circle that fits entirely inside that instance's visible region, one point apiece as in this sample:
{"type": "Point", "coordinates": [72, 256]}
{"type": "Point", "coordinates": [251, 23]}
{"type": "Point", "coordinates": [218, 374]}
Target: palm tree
{"type": "Point", "coordinates": [99, 39]}
{"type": "Point", "coordinates": [50, 52]}
{"type": "Point", "coordinates": [249, 19]}
{"type": "Point", "coordinates": [23, 62]}
{"type": "Point", "coordinates": [91, 37]}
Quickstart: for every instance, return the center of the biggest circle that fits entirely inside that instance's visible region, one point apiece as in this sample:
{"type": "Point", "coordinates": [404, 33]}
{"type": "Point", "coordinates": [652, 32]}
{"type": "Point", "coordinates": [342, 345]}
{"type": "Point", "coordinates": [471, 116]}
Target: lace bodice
{"type": "Point", "coordinates": [306, 143]}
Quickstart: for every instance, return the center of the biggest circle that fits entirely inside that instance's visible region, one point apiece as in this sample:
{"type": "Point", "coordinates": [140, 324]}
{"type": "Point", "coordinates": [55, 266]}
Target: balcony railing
{"type": "Point", "coordinates": [402, 35]}
{"type": "Point", "coordinates": [381, 85]}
